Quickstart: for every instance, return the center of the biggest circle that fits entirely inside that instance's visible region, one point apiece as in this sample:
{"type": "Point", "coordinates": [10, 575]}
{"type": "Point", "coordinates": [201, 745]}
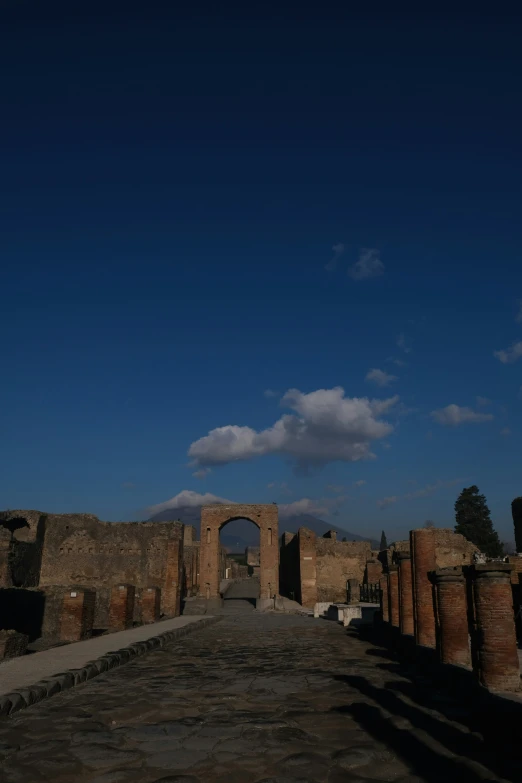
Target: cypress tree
{"type": "Point", "coordinates": [473, 521]}
{"type": "Point", "coordinates": [516, 512]}
{"type": "Point", "coordinates": [384, 543]}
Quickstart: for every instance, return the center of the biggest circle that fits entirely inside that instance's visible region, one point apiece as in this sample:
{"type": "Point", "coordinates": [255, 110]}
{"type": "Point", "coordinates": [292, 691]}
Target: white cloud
{"type": "Point", "coordinates": [321, 507]}
{"type": "Point", "coordinates": [453, 415]}
{"type": "Point", "coordinates": [518, 317]}
{"type": "Point", "coordinates": [338, 250]}
{"type": "Point", "coordinates": [188, 498]}
{"type": "Point", "coordinates": [398, 362]}
{"type": "Point", "coordinates": [325, 427]}
{"type": "Point", "coordinates": [380, 377]}
{"type": "Point", "coordinates": [203, 473]}
{"type": "Point", "coordinates": [387, 501]}
{"type": "Point", "coordinates": [271, 393]}
{"type": "Point", "coordinates": [359, 483]}
{"type": "Point", "coordinates": [368, 265]}
{"type": "Point", "coordinates": [403, 343]}
{"type": "Point", "coordinates": [505, 431]}
{"type": "Point", "coordinates": [483, 401]}
{"type": "Point", "coordinates": [337, 488]}
{"type": "Point", "coordinates": [429, 489]}
{"type": "Point", "coordinates": [510, 355]}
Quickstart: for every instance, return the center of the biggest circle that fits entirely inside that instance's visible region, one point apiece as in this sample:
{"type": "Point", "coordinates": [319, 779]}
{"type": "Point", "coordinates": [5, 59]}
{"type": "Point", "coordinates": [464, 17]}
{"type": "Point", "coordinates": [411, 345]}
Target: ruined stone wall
{"type": "Point", "coordinates": [190, 561]}
{"type": "Point", "coordinates": [21, 542]}
{"type": "Point", "coordinates": [289, 566]}
{"type": "Point", "coordinates": [452, 549]}
{"type": "Point", "coordinates": [336, 562]}
{"type": "Point", "coordinates": [81, 550]}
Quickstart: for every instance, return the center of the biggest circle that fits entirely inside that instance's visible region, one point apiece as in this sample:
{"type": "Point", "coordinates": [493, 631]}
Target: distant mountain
{"type": "Point", "coordinates": [237, 535]}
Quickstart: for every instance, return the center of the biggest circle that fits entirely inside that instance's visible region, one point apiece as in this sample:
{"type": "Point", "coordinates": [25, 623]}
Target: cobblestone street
{"type": "Point", "coordinates": [272, 698]}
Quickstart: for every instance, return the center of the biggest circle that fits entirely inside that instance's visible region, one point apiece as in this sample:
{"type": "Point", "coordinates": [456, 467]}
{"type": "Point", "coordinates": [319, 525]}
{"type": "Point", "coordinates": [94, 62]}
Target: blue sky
{"type": "Point", "coordinates": [198, 209]}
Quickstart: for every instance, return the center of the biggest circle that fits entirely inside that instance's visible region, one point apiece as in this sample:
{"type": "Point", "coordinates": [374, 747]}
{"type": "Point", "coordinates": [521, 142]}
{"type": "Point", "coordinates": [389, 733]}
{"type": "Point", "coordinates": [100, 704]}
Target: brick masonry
{"type": "Point", "coordinates": [77, 615]}
{"type": "Point", "coordinates": [405, 594]}
{"type": "Point", "coordinates": [150, 605]}
{"type": "Point", "coordinates": [452, 617]}
{"type": "Point", "coordinates": [121, 609]}
{"type": "Point", "coordinates": [213, 518]}
{"type": "Point", "coordinates": [385, 604]}
{"type": "Point", "coordinates": [373, 572]}
{"type": "Point", "coordinates": [393, 595]}
{"type": "Point", "coordinates": [497, 647]}
{"type": "Point", "coordinates": [423, 562]}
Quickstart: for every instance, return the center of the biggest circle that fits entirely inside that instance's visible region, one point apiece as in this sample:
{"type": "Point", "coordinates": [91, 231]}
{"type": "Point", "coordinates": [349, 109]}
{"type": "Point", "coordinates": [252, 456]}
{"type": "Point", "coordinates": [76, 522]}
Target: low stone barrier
{"type": "Point", "coordinates": [24, 697]}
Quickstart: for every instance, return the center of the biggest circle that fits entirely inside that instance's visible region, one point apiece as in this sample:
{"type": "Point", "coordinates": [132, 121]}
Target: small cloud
{"type": "Point", "coordinates": [338, 250]}
{"type": "Point", "coordinates": [397, 362]}
{"type": "Point", "coordinates": [387, 501]}
{"type": "Point", "coordinates": [454, 415]}
{"type": "Point", "coordinates": [360, 483]}
{"type": "Point", "coordinates": [380, 377]}
{"type": "Point", "coordinates": [386, 445]}
{"type": "Point", "coordinates": [128, 485]}
{"type": "Point", "coordinates": [336, 488]}
{"type": "Point", "coordinates": [271, 393]}
{"type": "Point", "coordinates": [483, 401]}
{"type": "Point", "coordinates": [368, 265]}
{"type": "Point", "coordinates": [321, 507]}
{"type": "Point", "coordinates": [403, 343]}
{"type": "Point", "coordinates": [506, 432]}
{"type": "Point", "coordinates": [518, 317]}
{"type": "Point", "coordinates": [203, 473]}
{"type": "Point", "coordinates": [510, 355]}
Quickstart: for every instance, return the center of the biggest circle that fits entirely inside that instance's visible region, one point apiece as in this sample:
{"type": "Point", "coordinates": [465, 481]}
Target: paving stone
{"type": "Point", "coordinates": [176, 759]}
{"type": "Point", "coordinates": [98, 756]}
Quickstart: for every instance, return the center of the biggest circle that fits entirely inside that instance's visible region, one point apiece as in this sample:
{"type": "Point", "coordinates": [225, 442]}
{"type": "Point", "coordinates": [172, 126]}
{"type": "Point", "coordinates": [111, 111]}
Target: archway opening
{"type": "Point", "coordinates": [239, 540]}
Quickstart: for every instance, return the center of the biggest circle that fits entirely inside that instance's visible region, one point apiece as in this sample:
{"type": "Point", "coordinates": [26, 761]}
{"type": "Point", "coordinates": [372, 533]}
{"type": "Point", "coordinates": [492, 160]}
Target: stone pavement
{"type": "Point", "coordinates": [28, 669]}
{"type": "Point", "coordinates": [271, 698]}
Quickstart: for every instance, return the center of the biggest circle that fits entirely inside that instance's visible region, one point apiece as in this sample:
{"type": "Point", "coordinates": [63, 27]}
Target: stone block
{"type": "Point", "coordinates": [321, 608]}
{"type": "Point", "coordinates": [12, 644]}
{"type": "Point", "coordinates": [349, 614]}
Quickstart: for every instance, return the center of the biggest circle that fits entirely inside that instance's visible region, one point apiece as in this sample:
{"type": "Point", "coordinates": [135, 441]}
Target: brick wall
{"type": "Point", "coordinates": [338, 561]}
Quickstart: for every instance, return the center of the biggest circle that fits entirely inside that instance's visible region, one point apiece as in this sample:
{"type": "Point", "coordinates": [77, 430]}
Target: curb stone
{"type": "Point", "coordinates": [25, 697]}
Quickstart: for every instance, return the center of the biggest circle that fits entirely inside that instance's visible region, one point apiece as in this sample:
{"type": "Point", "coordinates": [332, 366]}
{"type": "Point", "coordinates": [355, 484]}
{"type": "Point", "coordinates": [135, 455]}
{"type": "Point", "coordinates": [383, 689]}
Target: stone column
{"type": "Point", "coordinates": [150, 605]}
{"type": "Point", "coordinates": [385, 604]}
{"type": "Point", "coordinates": [307, 567]}
{"type": "Point", "coordinates": [452, 610]}
{"type": "Point", "coordinates": [393, 595]}
{"type": "Point", "coordinates": [121, 609]}
{"type": "Point", "coordinates": [405, 594]}
{"type": "Point", "coordinates": [171, 589]}
{"type": "Point", "coordinates": [498, 666]}
{"type": "Point", "coordinates": [422, 547]}
{"type": "Point", "coordinates": [77, 616]}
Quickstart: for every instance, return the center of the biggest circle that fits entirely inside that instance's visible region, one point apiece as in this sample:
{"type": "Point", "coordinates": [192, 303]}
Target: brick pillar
{"type": "Point", "coordinates": [498, 666]}
{"type": "Point", "coordinates": [452, 611]}
{"type": "Point", "coordinates": [77, 616]}
{"type": "Point", "coordinates": [171, 589]}
{"type": "Point", "coordinates": [385, 604]}
{"type": "Point", "coordinates": [405, 594]}
{"type": "Point", "coordinates": [121, 609]}
{"type": "Point", "coordinates": [150, 605]}
{"type": "Point", "coordinates": [307, 566]}
{"type": "Point", "coordinates": [423, 562]}
{"type": "Point", "coordinates": [5, 570]}
{"type": "Point", "coordinates": [393, 595]}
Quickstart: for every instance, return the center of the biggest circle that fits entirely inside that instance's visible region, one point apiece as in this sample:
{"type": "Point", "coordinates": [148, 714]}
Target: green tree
{"type": "Point", "coordinates": [473, 521]}
{"type": "Point", "coordinates": [384, 543]}
{"type": "Point", "coordinates": [516, 512]}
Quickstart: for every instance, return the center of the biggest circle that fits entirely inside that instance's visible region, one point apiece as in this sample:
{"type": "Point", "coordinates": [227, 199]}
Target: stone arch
{"type": "Point", "coordinates": [213, 518]}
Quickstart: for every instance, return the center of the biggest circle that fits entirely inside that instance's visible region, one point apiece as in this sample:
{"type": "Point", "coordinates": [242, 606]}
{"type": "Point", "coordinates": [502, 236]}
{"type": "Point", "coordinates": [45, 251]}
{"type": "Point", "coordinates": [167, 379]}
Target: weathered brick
{"type": "Point", "coordinates": [393, 595]}
{"type": "Point", "coordinates": [452, 617]}
{"type": "Point", "coordinates": [77, 614]}
{"type": "Point", "coordinates": [121, 608]}
{"type": "Point", "coordinates": [12, 644]}
{"type": "Point", "coordinates": [150, 605]}
{"type": "Point", "coordinates": [423, 562]}
{"type": "Point", "coordinates": [385, 603]}
{"type": "Point", "coordinates": [497, 655]}
{"type": "Point", "coordinates": [405, 593]}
